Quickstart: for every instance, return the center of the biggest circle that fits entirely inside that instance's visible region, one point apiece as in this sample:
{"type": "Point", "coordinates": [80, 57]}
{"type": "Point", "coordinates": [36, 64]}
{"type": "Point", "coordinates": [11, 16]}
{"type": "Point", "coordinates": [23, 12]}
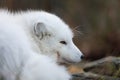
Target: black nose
{"type": "Point", "coordinates": [82, 57]}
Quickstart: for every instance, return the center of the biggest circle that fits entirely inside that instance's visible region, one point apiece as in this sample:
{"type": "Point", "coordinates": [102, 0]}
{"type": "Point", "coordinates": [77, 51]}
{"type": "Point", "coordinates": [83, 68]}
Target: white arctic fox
{"type": "Point", "coordinates": [25, 37]}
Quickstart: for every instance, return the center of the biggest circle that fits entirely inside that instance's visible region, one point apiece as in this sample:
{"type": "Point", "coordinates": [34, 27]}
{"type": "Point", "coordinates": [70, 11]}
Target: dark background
{"type": "Point", "coordinates": [96, 23]}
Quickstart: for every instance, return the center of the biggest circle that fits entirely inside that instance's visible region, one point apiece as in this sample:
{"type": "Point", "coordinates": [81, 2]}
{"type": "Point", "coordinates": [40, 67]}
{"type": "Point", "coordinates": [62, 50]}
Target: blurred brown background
{"type": "Point", "coordinates": [96, 22]}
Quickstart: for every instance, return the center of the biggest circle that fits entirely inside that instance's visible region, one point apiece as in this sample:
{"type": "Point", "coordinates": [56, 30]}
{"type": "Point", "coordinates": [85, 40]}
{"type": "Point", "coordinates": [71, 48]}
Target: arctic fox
{"type": "Point", "coordinates": [31, 43]}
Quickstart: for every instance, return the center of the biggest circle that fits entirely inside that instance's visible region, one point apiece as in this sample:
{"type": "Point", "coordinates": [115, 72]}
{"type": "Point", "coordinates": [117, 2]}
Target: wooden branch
{"type": "Point", "coordinates": [101, 61]}
{"type": "Point", "coordinates": [92, 76]}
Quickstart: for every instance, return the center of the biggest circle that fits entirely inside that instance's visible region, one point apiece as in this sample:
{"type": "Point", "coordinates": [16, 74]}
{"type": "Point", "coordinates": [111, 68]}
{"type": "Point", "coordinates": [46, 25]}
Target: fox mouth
{"type": "Point", "coordinates": [62, 60]}
{"type": "Point", "coordinates": [68, 61]}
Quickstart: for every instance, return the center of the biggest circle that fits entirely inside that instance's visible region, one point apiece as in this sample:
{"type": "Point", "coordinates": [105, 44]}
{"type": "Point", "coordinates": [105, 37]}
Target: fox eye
{"type": "Point", "coordinates": [63, 42]}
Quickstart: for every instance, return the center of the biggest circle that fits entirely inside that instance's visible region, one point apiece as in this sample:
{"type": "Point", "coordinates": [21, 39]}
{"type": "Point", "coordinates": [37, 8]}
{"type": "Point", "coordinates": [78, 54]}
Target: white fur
{"type": "Point", "coordinates": [21, 48]}
{"type": "Point", "coordinates": [50, 45]}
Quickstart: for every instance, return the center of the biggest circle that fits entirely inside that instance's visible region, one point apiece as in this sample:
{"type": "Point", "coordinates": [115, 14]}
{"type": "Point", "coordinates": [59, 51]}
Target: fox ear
{"type": "Point", "coordinates": [40, 29]}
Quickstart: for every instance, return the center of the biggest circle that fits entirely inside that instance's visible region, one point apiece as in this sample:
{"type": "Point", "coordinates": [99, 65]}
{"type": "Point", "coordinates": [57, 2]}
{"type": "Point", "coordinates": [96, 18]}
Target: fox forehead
{"type": "Point", "coordinates": [56, 25]}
